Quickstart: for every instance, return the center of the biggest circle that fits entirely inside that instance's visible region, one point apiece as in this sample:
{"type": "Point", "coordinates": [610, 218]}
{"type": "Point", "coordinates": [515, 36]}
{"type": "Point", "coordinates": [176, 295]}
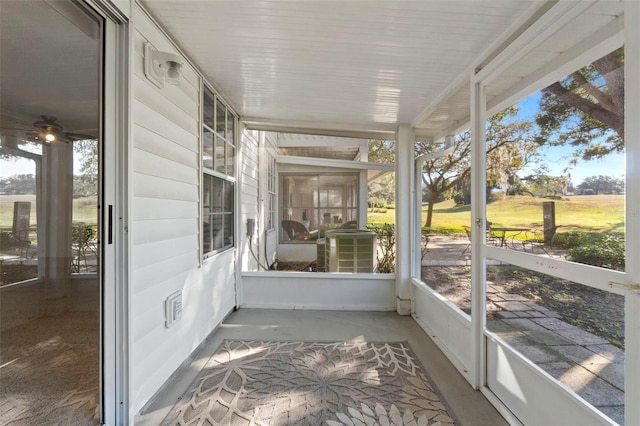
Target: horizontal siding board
{"type": "Point", "coordinates": [156, 187]}
{"type": "Point", "coordinates": [146, 316]}
{"type": "Point", "coordinates": [250, 160]}
{"type": "Point", "coordinates": [164, 232]}
{"type": "Point", "coordinates": [153, 121]}
{"type": "Point", "coordinates": [157, 208]}
{"type": "Point", "coordinates": [153, 98]}
{"type": "Point", "coordinates": [146, 277]}
{"type": "Point", "coordinates": [148, 141]}
{"type": "Point", "coordinates": [156, 165]}
{"type": "Point", "coordinates": [158, 252]}
{"type": "Point", "coordinates": [250, 192]}
{"type": "Point", "coordinates": [247, 179]}
{"type": "Point", "coordinates": [152, 231]}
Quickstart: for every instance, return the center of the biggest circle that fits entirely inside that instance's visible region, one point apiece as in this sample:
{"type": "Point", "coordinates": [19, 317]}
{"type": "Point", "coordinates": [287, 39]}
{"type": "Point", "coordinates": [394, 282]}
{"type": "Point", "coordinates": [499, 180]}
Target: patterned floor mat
{"type": "Point", "coordinates": [311, 383]}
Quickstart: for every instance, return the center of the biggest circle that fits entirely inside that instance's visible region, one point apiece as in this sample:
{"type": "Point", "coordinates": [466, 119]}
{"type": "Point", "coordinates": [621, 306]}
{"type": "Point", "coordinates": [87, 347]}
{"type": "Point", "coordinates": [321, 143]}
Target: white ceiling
{"type": "Point", "coordinates": [49, 65]}
{"type": "Point", "coordinates": [352, 65]}
{"type": "Point", "coordinates": [332, 67]}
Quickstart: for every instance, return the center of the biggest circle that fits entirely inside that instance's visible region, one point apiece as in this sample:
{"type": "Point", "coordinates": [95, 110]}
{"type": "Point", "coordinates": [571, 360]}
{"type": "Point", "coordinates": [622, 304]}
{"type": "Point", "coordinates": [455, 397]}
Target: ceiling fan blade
{"type": "Point", "coordinates": [78, 136]}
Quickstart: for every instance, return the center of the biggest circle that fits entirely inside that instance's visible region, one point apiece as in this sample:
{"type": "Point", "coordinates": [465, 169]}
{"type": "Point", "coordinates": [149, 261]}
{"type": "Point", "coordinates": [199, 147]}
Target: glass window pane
{"type": "Point", "coordinates": [217, 195]}
{"type": "Point", "coordinates": [217, 234]}
{"type": "Point", "coordinates": [207, 149]}
{"type": "Point", "coordinates": [228, 196]}
{"type": "Point", "coordinates": [219, 156]}
{"type": "Point", "coordinates": [230, 154]}
{"type": "Point", "coordinates": [221, 118]}
{"type": "Point", "coordinates": [206, 233]}
{"type": "Point", "coordinates": [230, 127]}
{"type": "Point", "coordinates": [207, 109]}
{"type": "Point", "coordinates": [317, 203]}
{"type": "Point", "coordinates": [206, 194]}
{"type": "Point", "coordinates": [84, 229]}
{"type": "Point", "coordinates": [228, 229]}
{"type": "Point", "coordinates": [18, 221]}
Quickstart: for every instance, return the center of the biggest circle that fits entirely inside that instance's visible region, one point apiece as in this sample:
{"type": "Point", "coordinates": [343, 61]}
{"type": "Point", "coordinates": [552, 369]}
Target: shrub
{"type": "Point", "coordinates": [568, 240]}
{"type": "Point", "coordinates": [386, 244]}
{"type": "Point", "coordinates": [592, 248]}
{"type": "Point", "coordinates": [604, 250]}
{"type": "Point", "coordinates": [379, 210]}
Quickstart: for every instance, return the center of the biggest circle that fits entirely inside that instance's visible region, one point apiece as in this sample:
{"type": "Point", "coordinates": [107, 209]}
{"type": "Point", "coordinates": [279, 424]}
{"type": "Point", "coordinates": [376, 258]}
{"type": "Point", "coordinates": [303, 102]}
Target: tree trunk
{"type": "Point", "coordinates": [430, 205]}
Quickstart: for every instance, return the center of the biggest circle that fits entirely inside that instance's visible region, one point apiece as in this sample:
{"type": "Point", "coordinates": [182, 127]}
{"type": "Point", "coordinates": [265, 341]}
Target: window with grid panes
{"type": "Point", "coordinates": [270, 211]}
{"type": "Point", "coordinates": [311, 204]}
{"type": "Point", "coordinates": [218, 175]}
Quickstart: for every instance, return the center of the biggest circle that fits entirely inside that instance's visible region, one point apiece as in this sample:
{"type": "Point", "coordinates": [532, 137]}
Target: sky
{"type": "Point", "coordinates": [558, 158]}
{"type": "Point", "coordinates": [18, 167]}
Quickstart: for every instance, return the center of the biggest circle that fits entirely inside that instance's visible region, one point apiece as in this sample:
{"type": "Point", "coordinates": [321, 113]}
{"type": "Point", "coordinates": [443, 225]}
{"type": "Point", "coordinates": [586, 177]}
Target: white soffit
{"type": "Point", "coordinates": [374, 170]}
{"type": "Point", "coordinates": [350, 65]}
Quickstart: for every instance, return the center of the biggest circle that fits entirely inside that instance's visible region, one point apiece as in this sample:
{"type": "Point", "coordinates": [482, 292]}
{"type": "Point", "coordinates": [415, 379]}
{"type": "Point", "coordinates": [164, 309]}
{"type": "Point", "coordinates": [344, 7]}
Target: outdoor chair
{"type": "Point", "coordinates": [296, 231]}
{"type": "Point", "coordinates": [491, 239]}
{"type": "Point", "coordinates": [467, 230]}
{"type": "Point", "coordinates": [529, 244]}
{"type": "Point", "coordinates": [352, 224]}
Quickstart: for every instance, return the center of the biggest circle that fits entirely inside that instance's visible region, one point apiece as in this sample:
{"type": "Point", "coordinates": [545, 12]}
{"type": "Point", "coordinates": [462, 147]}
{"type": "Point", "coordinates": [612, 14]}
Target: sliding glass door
{"type": "Point", "coordinates": [50, 197]}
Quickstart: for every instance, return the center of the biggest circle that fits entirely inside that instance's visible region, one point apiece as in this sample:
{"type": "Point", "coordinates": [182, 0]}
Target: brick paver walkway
{"type": "Point", "coordinates": [586, 363]}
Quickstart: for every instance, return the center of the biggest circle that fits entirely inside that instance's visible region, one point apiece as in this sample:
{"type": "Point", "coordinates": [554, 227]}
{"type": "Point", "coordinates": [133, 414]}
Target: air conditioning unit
{"type": "Point", "coordinates": [350, 250]}
{"type": "Point", "coordinates": [320, 254]}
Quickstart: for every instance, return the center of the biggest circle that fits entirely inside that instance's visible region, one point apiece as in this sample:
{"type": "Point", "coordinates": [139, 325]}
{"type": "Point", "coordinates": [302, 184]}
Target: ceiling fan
{"type": "Point", "coordinates": [48, 131]}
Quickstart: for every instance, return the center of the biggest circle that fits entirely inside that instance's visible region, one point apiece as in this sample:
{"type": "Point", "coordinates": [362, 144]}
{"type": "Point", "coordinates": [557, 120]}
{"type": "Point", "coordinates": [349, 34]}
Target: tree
{"type": "Point", "coordinates": [545, 185]}
{"type": "Point", "coordinates": [86, 182]}
{"type": "Point", "coordinates": [508, 151]}
{"type": "Point", "coordinates": [586, 109]}
{"type": "Point", "coordinates": [594, 185]}
{"type": "Point", "coordinates": [382, 190]}
{"type": "Point", "coordinates": [19, 184]}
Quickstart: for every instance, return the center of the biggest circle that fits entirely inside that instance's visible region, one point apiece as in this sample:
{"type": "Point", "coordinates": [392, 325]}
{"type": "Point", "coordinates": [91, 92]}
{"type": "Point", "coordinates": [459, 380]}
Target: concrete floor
{"type": "Point", "coordinates": [469, 406]}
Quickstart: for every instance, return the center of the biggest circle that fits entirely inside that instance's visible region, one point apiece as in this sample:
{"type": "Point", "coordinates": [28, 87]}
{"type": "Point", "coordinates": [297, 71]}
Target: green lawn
{"type": "Point", "coordinates": [576, 213]}
{"type": "Point", "coordinates": [84, 209]}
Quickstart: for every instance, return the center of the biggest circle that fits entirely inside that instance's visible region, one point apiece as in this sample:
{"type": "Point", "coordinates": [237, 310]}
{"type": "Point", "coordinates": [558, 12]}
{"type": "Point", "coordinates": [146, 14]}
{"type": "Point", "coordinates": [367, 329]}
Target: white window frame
{"type": "Point", "coordinates": [226, 177]}
{"type": "Point", "coordinates": [271, 207]}
{"type": "Point", "coordinates": [319, 206]}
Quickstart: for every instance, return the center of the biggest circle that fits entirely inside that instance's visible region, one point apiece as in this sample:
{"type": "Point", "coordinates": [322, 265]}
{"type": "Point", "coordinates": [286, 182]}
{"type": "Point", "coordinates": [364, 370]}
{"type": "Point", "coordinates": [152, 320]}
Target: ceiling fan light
{"type": "Point", "coordinates": [49, 137]}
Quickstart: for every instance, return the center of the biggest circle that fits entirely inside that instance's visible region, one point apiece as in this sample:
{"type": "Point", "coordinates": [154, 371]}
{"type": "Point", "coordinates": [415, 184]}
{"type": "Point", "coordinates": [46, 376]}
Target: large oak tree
{"type": "Point", "coordinates": [509, 149]}
{"type": "Point", "coordinates": [586, 109]}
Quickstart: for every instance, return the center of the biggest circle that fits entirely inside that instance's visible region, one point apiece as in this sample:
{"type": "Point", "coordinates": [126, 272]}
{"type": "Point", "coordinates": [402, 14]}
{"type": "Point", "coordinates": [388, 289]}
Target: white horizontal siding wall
{"type": "Point", "coordinates": [318, 291]}
{"type": "Point", "coordinates": [249, 197]}
{"type": "Point", "coordinates": [164, 227]}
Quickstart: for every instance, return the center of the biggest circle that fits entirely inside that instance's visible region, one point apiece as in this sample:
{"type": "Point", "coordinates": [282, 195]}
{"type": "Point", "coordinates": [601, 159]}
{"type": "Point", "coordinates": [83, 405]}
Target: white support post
{"type": "Point", "coordinates": [363, 199]}
{"type": "Point", "coordinates": [632, 149]}
{"type": "Point", "coordinates": [404, 239]}
{"type": "Point", "coordinates": [417, 218]}
{"type": "Point", "coordinates": [478, 224]}
{"type": "Point", "coordinates": [58, 191]}
{"type": "Point", "coordinates": [363, 189]}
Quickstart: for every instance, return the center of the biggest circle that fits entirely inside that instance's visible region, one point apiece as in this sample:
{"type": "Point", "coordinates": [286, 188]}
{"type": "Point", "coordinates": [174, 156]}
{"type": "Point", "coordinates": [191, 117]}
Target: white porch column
{"type": "Point", "coordinates": [404, 238]}
{"type": "Point", "coordinates": [632, 147]}
{"type": "Point", "coordinates": [478, 223]}
{"type": "Point", "coordinates": [57, 197]}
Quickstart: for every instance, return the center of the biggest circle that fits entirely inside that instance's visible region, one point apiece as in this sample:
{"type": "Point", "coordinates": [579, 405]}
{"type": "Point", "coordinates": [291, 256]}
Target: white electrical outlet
{"type": "Point", "coordinates": [173, 308]}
